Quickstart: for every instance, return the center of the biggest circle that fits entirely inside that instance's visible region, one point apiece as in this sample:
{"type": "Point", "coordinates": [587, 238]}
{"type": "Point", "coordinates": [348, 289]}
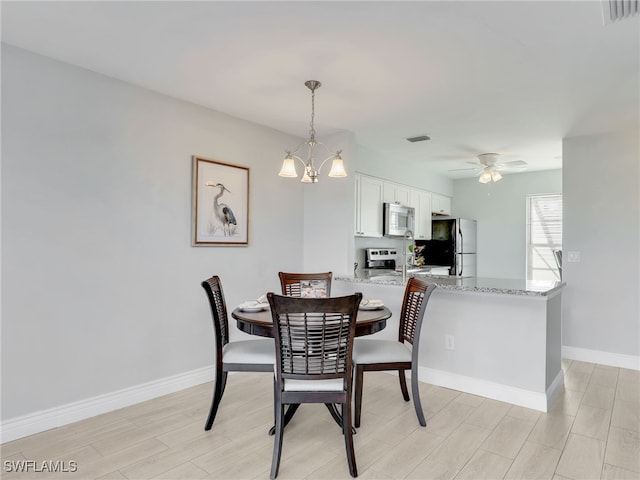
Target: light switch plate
{"type": "Point", "coordinates": [573, 257]}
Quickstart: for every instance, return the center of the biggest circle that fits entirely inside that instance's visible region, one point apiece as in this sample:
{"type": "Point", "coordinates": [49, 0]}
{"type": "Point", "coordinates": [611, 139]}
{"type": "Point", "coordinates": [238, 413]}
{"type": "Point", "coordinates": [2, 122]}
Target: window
{"type": "Point", "coordinates": [544, 237]}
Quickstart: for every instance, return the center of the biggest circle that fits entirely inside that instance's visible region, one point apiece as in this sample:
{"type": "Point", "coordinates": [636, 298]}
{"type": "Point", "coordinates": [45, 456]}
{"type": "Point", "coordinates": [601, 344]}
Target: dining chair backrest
{"type": "Point", "coordinates": [237, 356]}
{"type": "Point", "coordinates": [213, 287]}
{"type": "Point", "coordinates": [314, 348]}
{"type": "Point", "coordinates": [416, 296]}
{"type": "Point", "coordinates": [383, 355]}
{"type": "Point", "coordinates": [314, 336]}
{"type": "Point", "coordinates": [306, 284]}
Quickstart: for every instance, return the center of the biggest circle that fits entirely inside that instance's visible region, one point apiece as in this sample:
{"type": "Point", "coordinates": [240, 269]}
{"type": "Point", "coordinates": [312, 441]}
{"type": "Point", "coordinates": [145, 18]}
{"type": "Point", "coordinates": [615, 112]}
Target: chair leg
{"type": "Point", "coordinates": [403, 384]}
{"type": "Point", "coordinates": [416, 395]}
{"type": "Point", "coordinates": [218, 390]}
{"type": "Point", "coordinates": [359, 377]}
{"type": "Point", "coordinates": [348, 438]}
{"type": "Point", "coordinates": [334, 413]}
{"type": "Point", "coordinates": [288, 416]}
{"type": "Point", "coordinates": [277, 441]}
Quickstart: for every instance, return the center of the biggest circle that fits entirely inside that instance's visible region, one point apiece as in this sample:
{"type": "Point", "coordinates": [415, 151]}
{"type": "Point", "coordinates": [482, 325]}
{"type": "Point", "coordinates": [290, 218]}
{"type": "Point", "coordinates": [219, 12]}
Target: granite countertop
{"type": "Point", "coordinates": [470, 284]}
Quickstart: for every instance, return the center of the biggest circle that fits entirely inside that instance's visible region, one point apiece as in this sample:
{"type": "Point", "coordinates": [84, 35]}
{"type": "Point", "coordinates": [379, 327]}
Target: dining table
{"type": "Point", "coordinates": [259, 322]}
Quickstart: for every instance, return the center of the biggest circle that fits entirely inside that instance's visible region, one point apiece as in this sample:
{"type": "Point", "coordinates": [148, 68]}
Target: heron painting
{"type": "Point", "coordinates": [223, 216]}
{"type": "Point", "coordinates": [221, 199]}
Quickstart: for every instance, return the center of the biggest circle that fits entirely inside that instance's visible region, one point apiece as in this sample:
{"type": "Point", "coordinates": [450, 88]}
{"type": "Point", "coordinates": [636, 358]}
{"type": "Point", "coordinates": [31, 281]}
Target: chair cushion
{"type": "Point", "coordinates": [366, 351]}
{"type": "Point", "coordinates": [250, 351]}
{"type": "Point", "coordinates": [326, 385]}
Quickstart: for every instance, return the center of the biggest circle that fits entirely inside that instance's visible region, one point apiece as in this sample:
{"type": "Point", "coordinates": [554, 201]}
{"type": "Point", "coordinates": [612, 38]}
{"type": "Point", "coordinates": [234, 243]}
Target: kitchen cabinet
{"type": "Point", "coordinates": [372, 192]}
{"type": "Point", "coordinates": [420, 200]}
{"type": "Point", "coordinates": [369, 197]}
{"type": "Point", "coordinates": [396, 193]}
{"type": "Point", "coordinates": [440, 204]}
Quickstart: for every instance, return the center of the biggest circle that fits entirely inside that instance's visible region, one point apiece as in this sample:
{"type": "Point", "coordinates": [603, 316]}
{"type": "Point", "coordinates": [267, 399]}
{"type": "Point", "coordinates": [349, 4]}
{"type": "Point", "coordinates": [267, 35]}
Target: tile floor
{"type": "Point", "coordinates": [592, 432]}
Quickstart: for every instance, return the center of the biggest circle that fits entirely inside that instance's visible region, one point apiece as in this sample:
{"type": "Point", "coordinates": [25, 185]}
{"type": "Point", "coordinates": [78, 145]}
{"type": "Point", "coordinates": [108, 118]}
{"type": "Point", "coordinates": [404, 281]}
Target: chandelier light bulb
{"type": "Point", "coordinates": [337, 168]}
{"type": "Point", "coordinates": [288, 168]}
{"type": "Point", "coordinates": [305, 177]}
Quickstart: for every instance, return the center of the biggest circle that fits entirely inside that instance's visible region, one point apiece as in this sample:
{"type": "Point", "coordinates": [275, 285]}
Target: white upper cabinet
{"type": "Point", "coordinates": [396, 193]}
{"type": "Point", "coordinates": [372, 192]}
{"type": "Point", "coordinates": [421, 201]}
{"type": "Point", "coordinates": [440, 204]}
{"type": "Point", "coordinates": [369, 197]}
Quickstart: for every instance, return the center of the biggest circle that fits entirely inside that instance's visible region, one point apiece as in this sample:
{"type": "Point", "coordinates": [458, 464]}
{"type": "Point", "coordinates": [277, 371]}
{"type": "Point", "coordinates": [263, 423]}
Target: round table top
{"type": "Point", "coordinates": [260, 323]}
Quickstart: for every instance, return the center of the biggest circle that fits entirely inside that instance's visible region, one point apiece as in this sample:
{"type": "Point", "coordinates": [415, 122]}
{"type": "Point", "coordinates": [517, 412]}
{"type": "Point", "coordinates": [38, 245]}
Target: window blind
{"type": "Point", "coordinates": [544, 236]}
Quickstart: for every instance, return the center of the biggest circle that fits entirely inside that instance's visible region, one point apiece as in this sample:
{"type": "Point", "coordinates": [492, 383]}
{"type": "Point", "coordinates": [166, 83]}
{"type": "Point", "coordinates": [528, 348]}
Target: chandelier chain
{"type": "Point", "coordinates": [312, 132]}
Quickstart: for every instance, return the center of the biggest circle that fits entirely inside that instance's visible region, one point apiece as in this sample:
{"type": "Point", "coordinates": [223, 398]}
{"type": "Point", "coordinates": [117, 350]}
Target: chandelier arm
{"type": "Point", "coordinates": [296, 157]}
{"type": "Point", "coordinates": [333, 155]}
{"type": "Point", "coordinates": [294, 152]}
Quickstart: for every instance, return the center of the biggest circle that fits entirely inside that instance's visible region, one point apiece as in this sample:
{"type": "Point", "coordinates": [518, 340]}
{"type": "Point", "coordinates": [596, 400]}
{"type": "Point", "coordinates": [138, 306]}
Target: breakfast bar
{"type": "Point", "coordinates": [498, 338]}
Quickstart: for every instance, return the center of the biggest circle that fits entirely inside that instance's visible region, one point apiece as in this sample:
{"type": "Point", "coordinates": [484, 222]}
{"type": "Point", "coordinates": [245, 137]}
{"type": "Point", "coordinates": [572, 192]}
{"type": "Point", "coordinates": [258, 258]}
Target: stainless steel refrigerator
{"type": "Point", "coordinates": [452, 244]}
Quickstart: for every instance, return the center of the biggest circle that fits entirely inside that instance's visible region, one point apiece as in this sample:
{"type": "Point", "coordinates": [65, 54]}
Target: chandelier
{"type": "Point", "coordinates": [311, 173]}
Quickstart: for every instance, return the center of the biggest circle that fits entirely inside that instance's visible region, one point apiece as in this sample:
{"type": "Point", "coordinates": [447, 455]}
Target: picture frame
{"type": "Point", "coordinates": [313, 288]}
{"type": "Point", "coordinates": [220, 203]}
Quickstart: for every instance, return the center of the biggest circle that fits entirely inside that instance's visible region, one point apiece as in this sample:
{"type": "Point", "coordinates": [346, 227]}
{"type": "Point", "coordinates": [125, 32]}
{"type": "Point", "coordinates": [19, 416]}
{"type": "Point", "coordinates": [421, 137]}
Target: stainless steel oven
{"type": "Point", "coordinates": [382, 258]}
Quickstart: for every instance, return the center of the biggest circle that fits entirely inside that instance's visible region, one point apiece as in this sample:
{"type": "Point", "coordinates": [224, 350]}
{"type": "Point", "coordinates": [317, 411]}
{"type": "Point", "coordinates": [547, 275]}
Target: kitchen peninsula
{"type": "Point", "coordinates": [498, 338]}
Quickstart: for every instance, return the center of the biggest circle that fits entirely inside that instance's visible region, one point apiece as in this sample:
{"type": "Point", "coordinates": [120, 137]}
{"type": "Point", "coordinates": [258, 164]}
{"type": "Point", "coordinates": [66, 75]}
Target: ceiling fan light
{"type": "Point", "coordinates": [495, 176]}
{"type": "Point", "coordinates": [485, 177]}
{"type": "Point", "coordinates": [288, 168]}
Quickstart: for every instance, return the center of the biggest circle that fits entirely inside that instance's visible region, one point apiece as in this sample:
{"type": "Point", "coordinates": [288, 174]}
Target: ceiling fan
{"type": "Point", "coordinates": [489, 168]}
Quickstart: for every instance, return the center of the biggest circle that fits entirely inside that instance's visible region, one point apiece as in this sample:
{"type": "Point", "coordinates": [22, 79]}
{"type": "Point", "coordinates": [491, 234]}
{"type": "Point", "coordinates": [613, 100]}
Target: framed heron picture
{"type": "Point", "coordinates": [220, 203]}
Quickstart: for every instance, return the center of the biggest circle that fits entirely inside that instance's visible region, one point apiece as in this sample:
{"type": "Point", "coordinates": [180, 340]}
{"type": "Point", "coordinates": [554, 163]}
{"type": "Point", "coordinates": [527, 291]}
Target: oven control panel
{"type": "Point", "coordinates": [382, 253]}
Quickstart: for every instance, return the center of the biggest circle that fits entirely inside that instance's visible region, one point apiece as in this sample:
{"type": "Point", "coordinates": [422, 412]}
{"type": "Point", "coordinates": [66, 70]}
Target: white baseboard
{"type": "Point", "coordinates": [540, 401]}
{"type": "Point", "coordinates": [23, 426]}
{"type": "Point", "coordinates": [619, 360]}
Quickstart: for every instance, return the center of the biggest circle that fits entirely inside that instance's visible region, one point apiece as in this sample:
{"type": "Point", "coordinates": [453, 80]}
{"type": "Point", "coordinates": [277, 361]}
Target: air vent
{"type": "Point", "coordinates": [420, 138]}
{"type": "Point", "coordinates": [614, 10]}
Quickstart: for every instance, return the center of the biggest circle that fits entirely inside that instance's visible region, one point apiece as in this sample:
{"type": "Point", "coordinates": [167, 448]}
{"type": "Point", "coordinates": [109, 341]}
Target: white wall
{"type": "Point", "coordinates": [100, 283]}
{"type": "Point", "coordinates": [329, 213]}
{"type": "Point", "coordinates": [500, 209]}
{"type": "Point", "coordinates": [602, 222]}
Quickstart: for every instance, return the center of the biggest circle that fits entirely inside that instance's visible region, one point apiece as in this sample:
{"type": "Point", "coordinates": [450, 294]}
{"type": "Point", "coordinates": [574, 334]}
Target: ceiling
{"type": "Point", "coordinates": [511, 77]}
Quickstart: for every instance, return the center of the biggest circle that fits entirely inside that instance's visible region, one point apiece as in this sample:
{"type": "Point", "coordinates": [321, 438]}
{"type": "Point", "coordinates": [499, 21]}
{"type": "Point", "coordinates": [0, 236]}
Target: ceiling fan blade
{"type": "Point", "coordinates": [463, 169]}
{"type": "Point", "coordinates": [514, 163]}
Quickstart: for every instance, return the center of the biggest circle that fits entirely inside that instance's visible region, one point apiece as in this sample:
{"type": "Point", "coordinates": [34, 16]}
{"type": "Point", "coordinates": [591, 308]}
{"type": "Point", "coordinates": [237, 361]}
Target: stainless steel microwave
{"type": "Point", "coordinates": [397, 219]}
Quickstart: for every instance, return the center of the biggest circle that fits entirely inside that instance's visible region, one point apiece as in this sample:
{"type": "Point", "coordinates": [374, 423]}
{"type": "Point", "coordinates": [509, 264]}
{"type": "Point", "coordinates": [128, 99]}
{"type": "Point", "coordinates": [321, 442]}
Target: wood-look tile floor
{"type": "Point", "coordinates": [592, 432]}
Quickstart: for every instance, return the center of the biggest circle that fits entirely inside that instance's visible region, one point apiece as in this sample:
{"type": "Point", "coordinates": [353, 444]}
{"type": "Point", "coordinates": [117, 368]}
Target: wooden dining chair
{"type": "Point", "coordinates": [306, 284]}
{"type": "Point", "coordinates": [382, 355]}
{"type": "Point", "coordinates": [239, 356]}
{"type": "Point", "coordinates": [314, 342]}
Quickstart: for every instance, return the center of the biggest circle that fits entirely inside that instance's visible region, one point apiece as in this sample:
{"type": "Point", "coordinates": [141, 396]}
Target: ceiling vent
{"type": "Point", "coordinates": [614, 10]}
{"type": "Point", "coordinates": [420, 138]}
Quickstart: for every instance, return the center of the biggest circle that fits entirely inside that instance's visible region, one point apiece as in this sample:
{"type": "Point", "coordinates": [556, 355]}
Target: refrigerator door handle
{"type": "Point", "coordinates": [461, 249]}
